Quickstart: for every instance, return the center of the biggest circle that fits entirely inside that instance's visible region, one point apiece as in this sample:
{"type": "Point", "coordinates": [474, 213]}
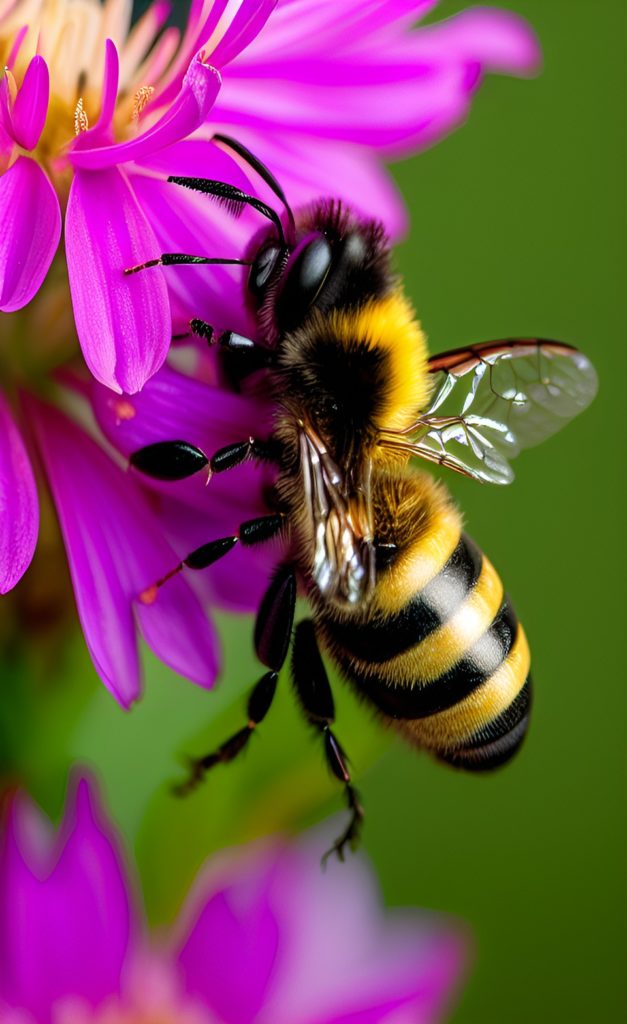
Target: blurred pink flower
{"type": "Point", "coordinates": [265, 938]}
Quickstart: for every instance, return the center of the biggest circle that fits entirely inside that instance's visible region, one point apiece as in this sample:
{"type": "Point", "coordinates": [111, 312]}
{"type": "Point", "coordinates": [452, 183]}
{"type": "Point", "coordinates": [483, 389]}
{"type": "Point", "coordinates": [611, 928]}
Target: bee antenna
{"type": "Point", "coordinates": [264, 173]}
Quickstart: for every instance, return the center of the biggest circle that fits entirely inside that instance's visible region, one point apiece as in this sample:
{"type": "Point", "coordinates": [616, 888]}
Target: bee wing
{"type": "Point", "coordinates": [343, 551]}
{"type": "Point", "coordinates": [493, 400]}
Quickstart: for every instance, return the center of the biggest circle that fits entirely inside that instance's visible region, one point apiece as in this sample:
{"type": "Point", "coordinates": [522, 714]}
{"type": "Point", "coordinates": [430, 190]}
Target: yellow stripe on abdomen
{"type": "Point", "coordinates": [450, 729]}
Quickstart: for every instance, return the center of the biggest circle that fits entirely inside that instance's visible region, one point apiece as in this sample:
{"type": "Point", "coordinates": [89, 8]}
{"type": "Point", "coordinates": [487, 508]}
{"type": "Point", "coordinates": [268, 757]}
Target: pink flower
{"type": "Point", "coordinates": [85, 109]}
{"type": "Point", "coordinates": [92, 121]}
{"type": "Point", "coordinates": [265, 938]}
{"type": "Point", "coordinates": [121, 536]}
{"type": "Point", "coordinates": [322, 98]}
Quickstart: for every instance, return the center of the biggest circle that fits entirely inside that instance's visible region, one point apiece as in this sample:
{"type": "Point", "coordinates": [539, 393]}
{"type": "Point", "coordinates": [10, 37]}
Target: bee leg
{"type": "Point", "coordinates": [178, 259]}
{"type": "Point", "coordinates": [259, 703]}
{"type": "Point", "coordinates": [273, 632]}
{"type": "Point", "coordinates": [253, 531]}
{"type": "Point", "coordinates": [177, 460]}
{"type": "Point", "coordinates": [316, 700]}
{"type": "Point", "coordinates": [228, 340]}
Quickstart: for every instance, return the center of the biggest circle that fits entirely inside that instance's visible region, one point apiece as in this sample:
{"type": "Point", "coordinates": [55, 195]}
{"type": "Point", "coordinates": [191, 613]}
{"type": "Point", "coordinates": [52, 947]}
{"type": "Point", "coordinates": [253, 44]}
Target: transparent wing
{"type": "Point", "coordinates": [491, 401]}
{"type": "Point", "coordinates": [340, 515]}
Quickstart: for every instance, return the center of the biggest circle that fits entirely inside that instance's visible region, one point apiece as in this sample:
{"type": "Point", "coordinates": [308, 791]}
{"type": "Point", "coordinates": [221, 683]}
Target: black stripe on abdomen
{"type": "Point", "coordinates": [497, 742]}
{"type": "Point", "coordinates": [419, 701]}
{"type": "Point", "coordinates": [384, 637]}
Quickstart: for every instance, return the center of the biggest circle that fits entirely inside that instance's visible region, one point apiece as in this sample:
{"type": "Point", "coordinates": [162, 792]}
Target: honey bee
{"type": "Point", "coordinates": [403, 602]}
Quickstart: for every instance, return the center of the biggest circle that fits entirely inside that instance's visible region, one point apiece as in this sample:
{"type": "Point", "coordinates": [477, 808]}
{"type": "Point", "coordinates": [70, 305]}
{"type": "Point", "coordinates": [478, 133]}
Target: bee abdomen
{"type": "Point", "coordinates": [450, 668]}
{"type": "Point", "coordinates": [382, 637]}
{"type": "Point", "coordinates": [496, 743]}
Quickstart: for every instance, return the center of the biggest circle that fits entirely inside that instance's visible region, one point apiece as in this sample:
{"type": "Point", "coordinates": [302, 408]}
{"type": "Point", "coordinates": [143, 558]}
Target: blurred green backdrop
{"type": "Point", "coordinates": [518, 227]}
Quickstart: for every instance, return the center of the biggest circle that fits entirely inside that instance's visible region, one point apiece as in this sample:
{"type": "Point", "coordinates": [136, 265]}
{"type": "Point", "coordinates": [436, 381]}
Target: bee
{"type": "Point", "coordinates": [402, 601]}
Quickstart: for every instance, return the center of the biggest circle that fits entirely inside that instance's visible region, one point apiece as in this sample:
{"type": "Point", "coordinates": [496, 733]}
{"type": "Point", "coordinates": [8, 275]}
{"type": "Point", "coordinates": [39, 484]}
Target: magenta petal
{"type": "Point", "coordinates": [229, 955]}
{"type": "Point", "coordinates": [65, 914]}
{"type": "Point", "coordinates": [250, 17]}
{"type": "Point", "coordinates": [222, 29]}
{"type": "Point", "coordinates": [17, 44]}
{"type": "Point", "coordinates": [19, 510]}
{"type": "Point", "coordinates": [123, 322]}
{"type": "Point", "coordinates": [341, 960]}
{"type": "Point", "coordinates": [175, 405]}
{"type": "Point", "coordinates": [186, 222]}
{"type": "Point", "coordinates": [177, 630]}
{"type": "Point", "coordinates": [201, 85]}
{"type": "Point", "coordinates": [116, 550]}
{"type": "Point", "coordinates": [31, 104]}
{"type": "Point", "coordinates": [31, 228]}
{"type": "Point", "coordinates": [84, 485]}
{"type": "Point", "coordinates": [309, 169]}
{"type": "Point", "coordinates": [498, 40]}
{"type": "Point", "coordinates": [109, 87]}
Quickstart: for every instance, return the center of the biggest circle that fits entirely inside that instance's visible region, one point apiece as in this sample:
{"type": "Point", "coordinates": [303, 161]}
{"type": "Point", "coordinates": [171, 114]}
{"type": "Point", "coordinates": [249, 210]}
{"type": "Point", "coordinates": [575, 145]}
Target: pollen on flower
{"type": "Point", "coordinates": [149, 595]}
{"type": "Point", "coordinates": [142, 98]}
{"type": "Point", "coordinates": [81, 121]}
{"type": "Point", "coordinates": [122, 409]}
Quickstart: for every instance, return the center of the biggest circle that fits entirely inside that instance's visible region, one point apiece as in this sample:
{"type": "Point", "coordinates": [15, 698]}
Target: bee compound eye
{"type": "Point", "coordinates": [263, 268]}
{"type": "Point", "coordinates": [306, 273]}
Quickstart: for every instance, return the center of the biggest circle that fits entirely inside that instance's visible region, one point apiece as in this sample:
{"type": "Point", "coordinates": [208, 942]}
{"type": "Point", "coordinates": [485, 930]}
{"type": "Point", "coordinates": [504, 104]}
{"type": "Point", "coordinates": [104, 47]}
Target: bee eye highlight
{"type": "Point", "coordinates": [263, 268]}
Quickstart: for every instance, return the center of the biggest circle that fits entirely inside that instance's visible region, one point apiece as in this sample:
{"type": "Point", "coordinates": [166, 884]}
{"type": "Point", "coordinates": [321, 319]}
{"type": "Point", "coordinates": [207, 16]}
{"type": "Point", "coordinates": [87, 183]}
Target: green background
{"type": "Point", "coordinates": [517, 228]}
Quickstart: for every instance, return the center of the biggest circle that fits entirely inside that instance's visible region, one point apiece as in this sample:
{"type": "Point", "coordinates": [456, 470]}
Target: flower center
{"type": "Point", "coordinates": [70, 36]}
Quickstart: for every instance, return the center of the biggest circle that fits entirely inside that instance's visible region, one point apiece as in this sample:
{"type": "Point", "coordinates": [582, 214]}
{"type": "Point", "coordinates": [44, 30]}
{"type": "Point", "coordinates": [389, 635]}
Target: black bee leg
{"type": "Point", "coordinates": [178, 259]}
{"type": "Point", "coordinates": [253, 531]}
{"type": "Point", "coordinates": [314, 695]}
{"type": "Point", "coordinates": [176, 460]}
{"type": "Point", "coordinates": [273, 632]}
{"type": "Point", "coordinates": [259, 703]}
{"type": "Point", "coordinates": [230, 341]}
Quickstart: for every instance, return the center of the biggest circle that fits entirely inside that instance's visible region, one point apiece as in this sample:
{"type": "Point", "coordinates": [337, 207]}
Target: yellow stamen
{"type": "Point", "coordinates": [142, 98]}
{"type": "Point", "coordinates": [81, 121]}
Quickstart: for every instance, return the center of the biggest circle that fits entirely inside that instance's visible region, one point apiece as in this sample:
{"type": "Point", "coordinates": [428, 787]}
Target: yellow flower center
{"type": "Point", "coordinates": [70, 35]}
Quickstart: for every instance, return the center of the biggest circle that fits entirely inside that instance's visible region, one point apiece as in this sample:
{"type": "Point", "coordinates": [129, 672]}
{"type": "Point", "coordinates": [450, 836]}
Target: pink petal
{"type": "Point", "coordinates": [116, 550]}
{"type": "Point", "coordinates": [19, 510]}
{"type": "Point", "coordinates": [297, 23]}
{"type": "Point", "coordinates": [237, 582]}
{"type": "Point", "coordinates": [173, 405]}
{"type": "Point", "coordinates": [123, 322]}
{"type": "Point", "coordinates": [142, 36]}
{"type": "Point", "coordinates": [309, 170]}
{"type": "Point", "coordinates": [498, 40]}
{"type": "Point", "coordinates": [110, 86]}
{"type": "Point", "coordinates": [65, 914]}
{"type": "Point", "coordinates": [189, 223]}
{"type": "Point", "coordinates": [229, 25]}
{"type": "Point", "coordinates": [191, 512]}
{"type": "Point", "coordinates": [312, 946]}
{"type": "Point", "coordinates": [17, 42]}
{"type": "Point", "coordinates": [31, 228]}
{"type": "Point", "coordinates": [83, 483]}
{"type": "Point", "coordinates": [339, 956]}
{"type": "Point", "coordinates": [384, 115]}
{"type": "Point", "coordinates": [177, 630]}
{"type": "Point", "coordinates": [31, 104]}
{"type": "Point", "coordinates": [241, 28]}
{"type": "Point", "coordinates": [191, 108]}
{"type": "Point", "coordinates": [363, 78]}
{"type": "Point", "coordinates": [229, 955]}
